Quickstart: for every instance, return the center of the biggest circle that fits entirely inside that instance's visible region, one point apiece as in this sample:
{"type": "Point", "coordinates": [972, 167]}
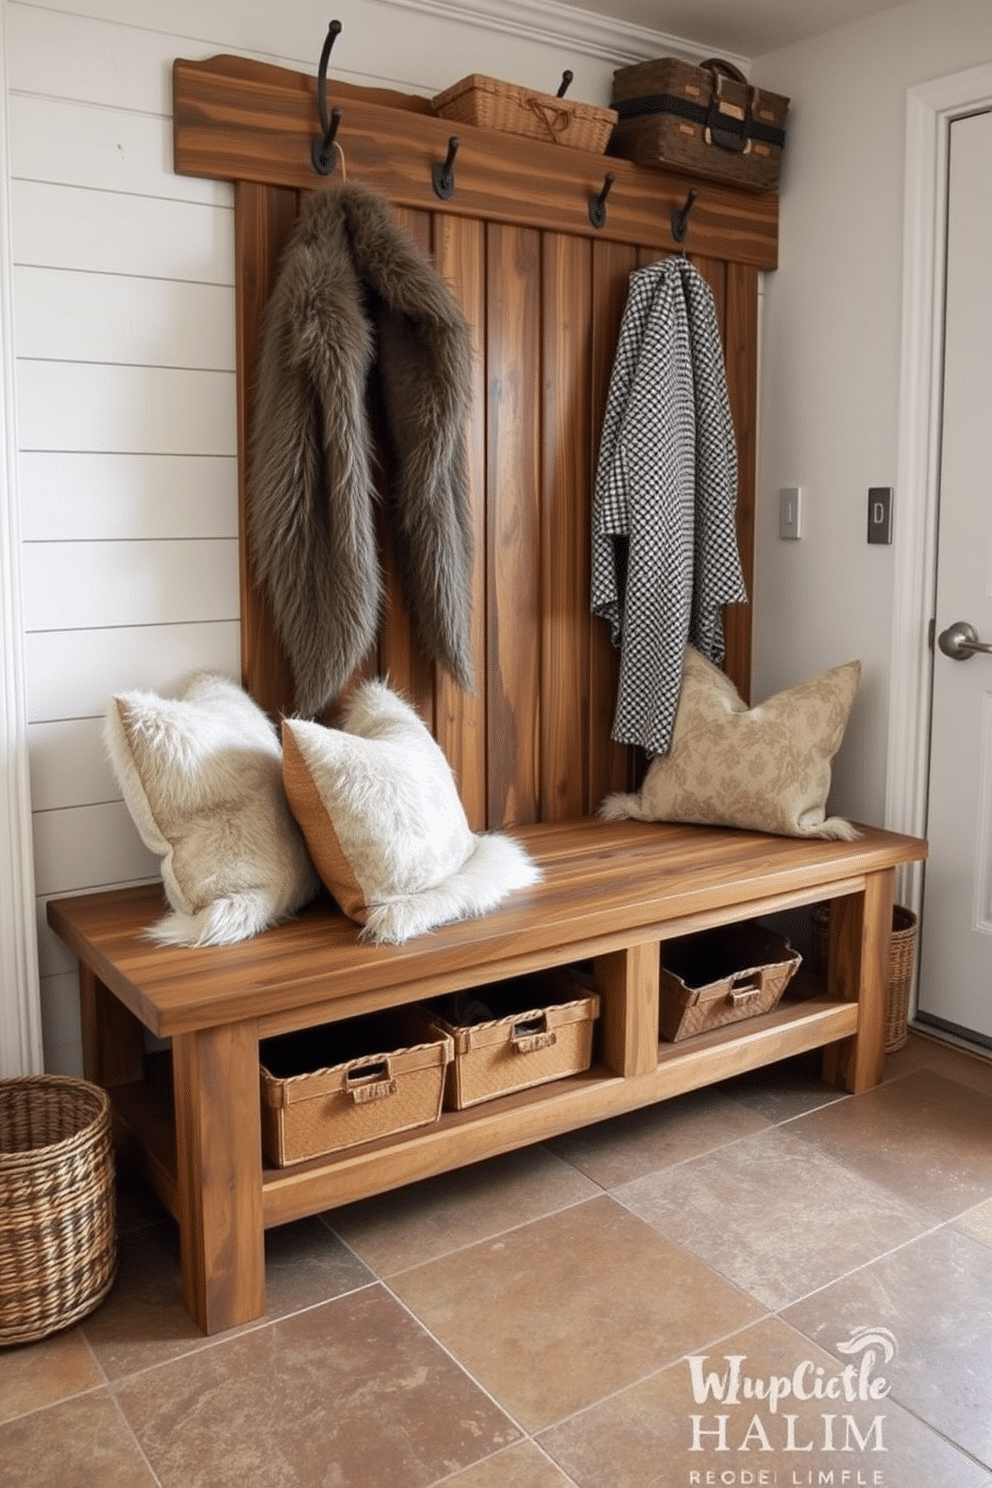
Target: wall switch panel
{"type": "Point", "coordinates": [879, 514]}
{"type": "Point", "coordinates": [790, 512]}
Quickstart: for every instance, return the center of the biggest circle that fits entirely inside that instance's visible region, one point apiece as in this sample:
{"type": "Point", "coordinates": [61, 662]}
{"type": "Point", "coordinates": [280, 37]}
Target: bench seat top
{"type": "Point", "coordinates": [606, 885]}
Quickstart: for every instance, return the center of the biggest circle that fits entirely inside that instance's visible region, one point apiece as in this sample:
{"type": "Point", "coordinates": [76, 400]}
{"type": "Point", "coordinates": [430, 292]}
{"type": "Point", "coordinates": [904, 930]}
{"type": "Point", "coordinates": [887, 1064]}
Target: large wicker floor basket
{"type": "Point", "coordinates": [902, 959]}
{"type": "Point", "coordinates": [58, 1239]}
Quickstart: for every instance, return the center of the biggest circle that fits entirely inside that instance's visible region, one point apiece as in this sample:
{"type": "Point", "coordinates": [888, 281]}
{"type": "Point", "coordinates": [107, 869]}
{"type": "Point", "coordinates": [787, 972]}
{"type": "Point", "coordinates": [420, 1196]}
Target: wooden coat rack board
{"type": "Point", "coordinates": [543, 289]}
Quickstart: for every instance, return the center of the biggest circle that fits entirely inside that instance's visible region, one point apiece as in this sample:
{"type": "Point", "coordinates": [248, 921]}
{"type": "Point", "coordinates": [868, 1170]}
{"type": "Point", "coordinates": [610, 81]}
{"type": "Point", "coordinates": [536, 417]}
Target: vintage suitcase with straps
{"type": "Point", "coordinates": [707, 120]}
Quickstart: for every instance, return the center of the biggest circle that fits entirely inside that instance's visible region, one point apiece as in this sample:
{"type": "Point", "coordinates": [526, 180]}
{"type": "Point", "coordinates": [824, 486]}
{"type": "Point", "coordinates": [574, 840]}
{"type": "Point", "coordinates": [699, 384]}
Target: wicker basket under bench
{"type": "Point", "coordinates": [611, 894]}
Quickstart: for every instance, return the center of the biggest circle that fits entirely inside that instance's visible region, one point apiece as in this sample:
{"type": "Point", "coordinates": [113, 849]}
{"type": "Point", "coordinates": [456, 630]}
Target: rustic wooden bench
{"type": "Point", "coordinates": [613, 893]}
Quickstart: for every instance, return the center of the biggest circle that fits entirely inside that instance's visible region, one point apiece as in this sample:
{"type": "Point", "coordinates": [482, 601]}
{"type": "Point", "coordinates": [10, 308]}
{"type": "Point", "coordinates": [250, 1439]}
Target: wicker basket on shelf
{"type": "Point", "coordinates": [902, 954]}
{"type": "Point", "coordinates": [489, 103]}
{"type": "Point", "coordinates": [58, 1241]}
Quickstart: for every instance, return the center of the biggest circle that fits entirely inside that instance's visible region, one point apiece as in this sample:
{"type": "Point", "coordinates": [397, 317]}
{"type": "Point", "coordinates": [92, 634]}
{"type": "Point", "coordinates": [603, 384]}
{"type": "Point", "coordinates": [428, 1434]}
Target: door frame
{"type": "Point", "coordinates": [930, 110]}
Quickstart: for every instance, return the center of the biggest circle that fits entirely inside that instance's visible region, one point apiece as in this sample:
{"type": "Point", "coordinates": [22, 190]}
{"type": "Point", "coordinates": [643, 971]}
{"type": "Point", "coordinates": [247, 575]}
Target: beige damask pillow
{"type": "Point", "coordinates": [765, 768]}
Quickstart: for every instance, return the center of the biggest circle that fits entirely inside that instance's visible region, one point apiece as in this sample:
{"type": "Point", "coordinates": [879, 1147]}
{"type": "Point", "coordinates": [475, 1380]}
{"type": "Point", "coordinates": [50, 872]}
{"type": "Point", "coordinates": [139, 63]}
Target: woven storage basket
{"type": "Point", "coordinates": [490, 103]}
{"type": "Point", "coordinates": [902, 955]}
{"type": "Point", "coordinates": [58, 1238]}
{"type": "Point", "coordinates": [539, 1028]}
{"type": "Point", "coordinates": [341, 1084]}
{"type": "Point", "coordinates": [723, 976]}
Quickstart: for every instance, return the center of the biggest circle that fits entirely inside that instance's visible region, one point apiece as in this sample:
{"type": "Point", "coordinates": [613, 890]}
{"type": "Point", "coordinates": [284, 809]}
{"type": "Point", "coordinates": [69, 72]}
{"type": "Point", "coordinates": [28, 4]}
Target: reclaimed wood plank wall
{"type": "Point", "coordinates": [543, 292]}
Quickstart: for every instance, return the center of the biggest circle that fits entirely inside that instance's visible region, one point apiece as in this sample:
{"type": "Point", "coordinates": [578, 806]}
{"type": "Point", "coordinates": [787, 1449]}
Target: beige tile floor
{"type": "Point", "coordinates": [761, 1284]}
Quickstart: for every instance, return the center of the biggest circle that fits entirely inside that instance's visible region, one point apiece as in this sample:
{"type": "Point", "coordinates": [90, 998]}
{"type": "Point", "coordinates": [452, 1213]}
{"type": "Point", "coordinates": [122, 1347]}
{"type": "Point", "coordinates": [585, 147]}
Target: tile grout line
{"type": "Point", "coordinates": [594, 1404]}
{"type": "Point", "coordinates": [102, 1384]}
{"type": "Point", "coordinates": [927, 1426]}
{"type": "Point", "coordinates": [839, 1161]}
{"type": "Point", "coordinates": [653, 1374]}
{"type": "Point", "coordinates": [375, 1280]}
{"type": "Point", "coordinates": [463, 1369]}
{"type": "Point", "coordinates": [504, 1410]}
{"type": "Point", "coordinates": [940, 1224]}
{"type": "Point", "coordinates": [214, 1341]}
{"type": "Point", "coordinates": [326, 1216]}
{"type": "Point", "coordinates": [567, 1480]}
{"type": "Point", "coordinates": [527, 1436]}
{"type": "Point", "coordinates": [38, 1410]}
{"type": "Point", "coordinates": [468, 1244]}
{"type": "Point", "coordinates": [133, 1436]}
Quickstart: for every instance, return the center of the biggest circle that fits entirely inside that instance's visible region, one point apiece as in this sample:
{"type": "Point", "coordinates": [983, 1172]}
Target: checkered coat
{"type": "Point", "coordinates": [664, 544]}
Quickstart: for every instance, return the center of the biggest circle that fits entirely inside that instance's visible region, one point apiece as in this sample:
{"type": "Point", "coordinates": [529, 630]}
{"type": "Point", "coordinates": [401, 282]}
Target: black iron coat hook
{"type": "Point", "coordinates": [443, 171]}
{"type": "Point", "coordinates": [597, 204]}
{"type": "Point", "coordinates": [322, 148]}
{"type": "Point", "coordinates": [680, 217]}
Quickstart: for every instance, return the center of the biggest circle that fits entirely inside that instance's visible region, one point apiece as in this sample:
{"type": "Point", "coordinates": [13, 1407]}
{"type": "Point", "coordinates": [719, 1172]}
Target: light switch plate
{"type": "Point", "coordinates": [879, 514]}
{"type": "Point", "coordinates": [790, 512]}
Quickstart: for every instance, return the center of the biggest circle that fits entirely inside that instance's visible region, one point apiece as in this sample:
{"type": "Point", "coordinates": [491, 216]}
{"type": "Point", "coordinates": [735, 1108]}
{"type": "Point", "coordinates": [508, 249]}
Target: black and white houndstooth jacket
{"type": "Point", "coordinates": [664, 544]}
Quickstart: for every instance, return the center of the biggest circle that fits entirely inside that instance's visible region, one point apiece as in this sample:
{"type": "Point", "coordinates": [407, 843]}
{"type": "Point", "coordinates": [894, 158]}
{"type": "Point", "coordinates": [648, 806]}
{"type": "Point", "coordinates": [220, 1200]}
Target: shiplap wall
{"type": "Point", "coordinates": [125, 383]}
{"type": "Point", "coordinates": [123, 308]}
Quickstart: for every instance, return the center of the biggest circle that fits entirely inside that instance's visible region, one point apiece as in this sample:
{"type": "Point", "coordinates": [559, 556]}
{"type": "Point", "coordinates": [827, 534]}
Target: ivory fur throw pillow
{"type": "Point", "coordinates": [765, 768]}
{"type": "Point", "coordinates": [377, 804]}
{"type": "Point", "coordinates": [202, 779]}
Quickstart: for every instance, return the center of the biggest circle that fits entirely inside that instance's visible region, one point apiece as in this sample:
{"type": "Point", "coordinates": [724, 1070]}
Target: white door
{"type": "Point", "coordinates": [956, 941]}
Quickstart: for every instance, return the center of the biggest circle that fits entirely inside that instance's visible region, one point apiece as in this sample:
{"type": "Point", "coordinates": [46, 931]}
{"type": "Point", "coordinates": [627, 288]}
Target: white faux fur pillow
{"type": "Point", "coordinates": [377, 804]}
{"type": "Point", "coordinates": [765, 768]}
{"type": "Point", "coordinates": [202, 779]}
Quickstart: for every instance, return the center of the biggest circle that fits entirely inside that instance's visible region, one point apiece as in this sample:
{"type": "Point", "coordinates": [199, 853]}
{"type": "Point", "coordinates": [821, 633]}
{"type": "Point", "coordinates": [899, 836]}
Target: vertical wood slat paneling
{"type": "Point", "coordinates": [460, 717]}
{"type": "Point", "coordinates": [566, 394]}
{"type": "Point", "coordinates": [739, 358]}
{"type": "Point", "coordinates": [401, 656]}
{"type": "Point", "coordinates": [513, 484]}
{"type": "Point", "coordinates": [740, 340]}
{"type": "Point", "coordinates": [611, 765]}
{"type": "Point", "coordinates": [714, 271]}
{"type": "Point", "coordinates": [544, 309]}
{"type": "Point", "coordinates": [263, 220]}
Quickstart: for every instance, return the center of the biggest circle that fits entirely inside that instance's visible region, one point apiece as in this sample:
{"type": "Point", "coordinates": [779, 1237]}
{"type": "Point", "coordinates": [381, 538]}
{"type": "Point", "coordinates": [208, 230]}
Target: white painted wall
{"type": "Point", "coordinates": [831, 358]}
{"type": "Point", "coordinates": [20, 1011]}
{"type": "Point", "coordinates": [123, 332]}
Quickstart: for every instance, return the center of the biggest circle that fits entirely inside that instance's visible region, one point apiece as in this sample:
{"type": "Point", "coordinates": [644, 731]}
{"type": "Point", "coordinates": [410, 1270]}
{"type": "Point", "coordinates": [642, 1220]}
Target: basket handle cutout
{"type": "Point", "coordinates": [743, 988]}
{"type": "Point", "coordinates": [369, 1082]}
{"type": "Point", "coordinates": [533, 1033]}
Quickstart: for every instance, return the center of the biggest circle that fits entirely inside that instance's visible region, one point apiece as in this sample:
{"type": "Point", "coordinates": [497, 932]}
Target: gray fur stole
{"type": "Point", "coordinates": [353, 294]}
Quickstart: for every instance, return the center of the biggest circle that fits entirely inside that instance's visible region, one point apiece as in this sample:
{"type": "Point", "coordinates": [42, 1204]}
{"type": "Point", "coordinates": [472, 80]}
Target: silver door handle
{"type": "Point", "coordinates": [960, 641]}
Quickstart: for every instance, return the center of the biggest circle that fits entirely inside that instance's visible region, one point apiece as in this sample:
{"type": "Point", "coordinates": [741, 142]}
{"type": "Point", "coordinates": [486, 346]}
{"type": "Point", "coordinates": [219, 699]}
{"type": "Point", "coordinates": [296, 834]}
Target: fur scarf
{"type": "Point", "coordinates": [354, 293]}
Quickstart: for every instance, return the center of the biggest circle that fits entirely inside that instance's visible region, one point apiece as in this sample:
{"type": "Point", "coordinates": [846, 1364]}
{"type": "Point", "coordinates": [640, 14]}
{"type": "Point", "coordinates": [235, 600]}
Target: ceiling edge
{"type": "Point", "coordinates": [580, 30]}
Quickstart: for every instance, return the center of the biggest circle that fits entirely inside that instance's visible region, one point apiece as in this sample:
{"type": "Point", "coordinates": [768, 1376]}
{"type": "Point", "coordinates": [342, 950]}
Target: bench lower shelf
{"type": "Point", "coordinates": [612, 894]}
{"type": "Point", "coordinates": [143, 1110]}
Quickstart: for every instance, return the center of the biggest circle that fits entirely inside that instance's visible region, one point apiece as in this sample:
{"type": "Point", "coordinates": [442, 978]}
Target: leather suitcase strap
{"type": "Point", "coordinates": [698, 113]}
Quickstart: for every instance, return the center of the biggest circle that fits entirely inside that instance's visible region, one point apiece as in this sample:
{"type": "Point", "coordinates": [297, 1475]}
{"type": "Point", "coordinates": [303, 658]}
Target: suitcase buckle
{"type": "Point", "coordinates": [727, 126]}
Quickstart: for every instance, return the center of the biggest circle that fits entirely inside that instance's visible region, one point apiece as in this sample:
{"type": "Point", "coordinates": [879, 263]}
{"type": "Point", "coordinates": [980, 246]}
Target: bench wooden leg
{"type": "Point", "coordinates": [629, 981]}
{"type": "Point", "coordinates": [860, 929]}
{"type": "Point", "coordinates": [218, 1152]}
